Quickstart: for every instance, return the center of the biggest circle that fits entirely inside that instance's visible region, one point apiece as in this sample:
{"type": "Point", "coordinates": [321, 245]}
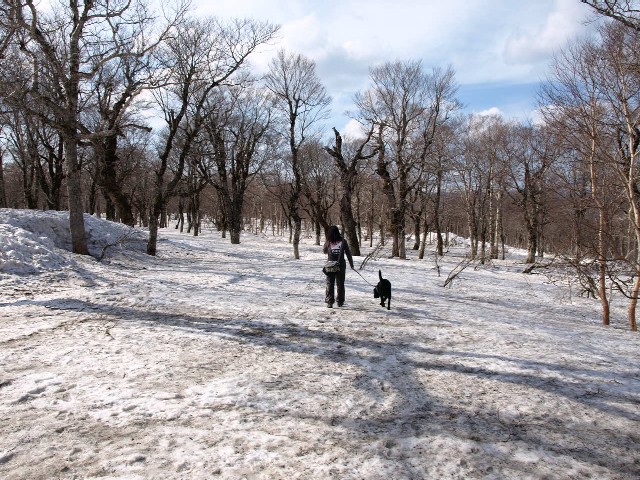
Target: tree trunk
{"type": "Point", "coordinates": [483, 243]}
{"type": "Point", "coordinates": [235, 220]}
{"type": "Point", "coordinates": [493, 226]}
{"type": "Point", "coordinates": [499, 236]}
{"type": "Point", "coordinates": [602, 271]}
{"type": "Point", "coordinates": [3, 193]}
{"type": "Point", "coordinates": [416, 231]}
{"type": "Point", "coordinates": [395, 234]}
{"type": "Point", "coordinates": [436, 215]}
{"type": "Point", "coordinates": [532, 244]}
{"type": "Point", "coordinates": [349, 224]}
{"type": "Point", "coordinates": [318, 229]}
{"type": "Point", "coordinates": [109, 182]}
{"type": "Point", "coordinates": [155, 213]}
{"type": "Point", "coordinates": [164, 217]}
{"type": "Point", "coordinates": [74, 190]}
{"type": "Point", "coordinates": [109, 208]}
{"type": "Point", "coordinates": [635, 211]}
{"type": "Point", "coordinates": [29, 174]}
{"type": "Point", "coordinates": [180, 223]}
{"type": "Point", "coordinates": [634, 299]}
{"type": "Point", "coordinates": [531, 222]}
{"type": "Point", "coordinates": [222, 221]}
{"type": "Point", "coordinates": [195, 212]}
{"type": "Point", "coordinates": [297, 231]}
{"type": "Point", "coordinates": [92, 195]}
{"type": "Point", "coordinates": [358, 217]}
{"type": "Point", "coordinates": [396, 226]}
{"type": "Point", "coordinates": [423, 243]}
{"type": "Point", "coordinates": [371, 219]}
{"type": "Point", "coordinates": [153, 234]}
{"type": "Point", "coordinates": [473, 232]}
{"type": "Point", "coordinates": [402, 237]}
{"type": "Point", "coordinates": [295, 226]}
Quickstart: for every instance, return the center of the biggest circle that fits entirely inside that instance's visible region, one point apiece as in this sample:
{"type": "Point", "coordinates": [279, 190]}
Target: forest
{"type": "Point", "coordinates": [155, 118]}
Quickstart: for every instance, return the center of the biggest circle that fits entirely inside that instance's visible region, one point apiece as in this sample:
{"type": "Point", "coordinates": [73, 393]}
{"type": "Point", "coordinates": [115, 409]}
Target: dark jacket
{"type": "Point", "coordinates": [332, 257]}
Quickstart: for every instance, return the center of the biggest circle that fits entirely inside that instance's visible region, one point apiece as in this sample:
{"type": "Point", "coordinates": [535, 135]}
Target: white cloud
{"type": "Point", "coordinates": [353, 130]}
{"type": "Point", "coordinates": [538, 41]}
{"type": "Point", "coordinates": [306, 35]}
{"type": "Point", "coordinates": [490, 112]}
{"type": "Point", "coordinates": [486, 41]}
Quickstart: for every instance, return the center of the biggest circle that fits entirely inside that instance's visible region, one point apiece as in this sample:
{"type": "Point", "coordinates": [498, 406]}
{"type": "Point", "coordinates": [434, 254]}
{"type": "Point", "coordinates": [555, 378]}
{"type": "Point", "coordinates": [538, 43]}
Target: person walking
{"type": "Point", "coordinates": [336, 248]}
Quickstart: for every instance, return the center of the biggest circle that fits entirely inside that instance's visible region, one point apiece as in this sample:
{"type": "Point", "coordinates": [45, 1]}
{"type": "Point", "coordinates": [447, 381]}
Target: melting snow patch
{"type": "Point", "coordinates": [34, 241]}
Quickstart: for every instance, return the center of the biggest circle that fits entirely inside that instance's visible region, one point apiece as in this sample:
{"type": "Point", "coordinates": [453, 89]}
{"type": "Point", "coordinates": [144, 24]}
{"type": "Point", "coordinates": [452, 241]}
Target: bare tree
{"type": "Point", "coordinates": [574, 108]}
{"type": "Point", "coordinates": [597, 92]}
{"type": "Point", "coordinates": [203, 55]}
{"type": "Point", "coordinates": [37, 149]}
{"type": "Point", "coordinates": [620, 84]}
{"type": "Point", "coordinates": [627, 12]}
{"type": "Point", "coordinates": [474, 167]}
{"type": "Point", "coordinates": [440, 165]}
{"type": "Point", "coordinates": [117, 90]}
{"type": "Point", "coordinates": [31, 141]}
{"type": "Point", "coordinates": [406, 106]}
{"type": "Point", "coordinates": [70, 46]}
{"type": "Point", "coordinates": [348, 171]}
{"type": "Point", "coordinates": [319, 186]}
{"type": "Point", "coordinates": [238, 130]}
{"type": "Point", "coordinates": [7, 27]}
{"type": "Point", "coordinates": [3, 192]}
{"type": "Point", "coordinates": [530, 158]}
{"type": "Point", "coordinates": [25, 152]}
{"type": "Point", "coordinates": [302, 102]}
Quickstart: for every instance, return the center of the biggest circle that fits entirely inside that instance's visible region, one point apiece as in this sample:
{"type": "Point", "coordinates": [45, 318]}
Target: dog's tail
{"type": "Point", "coordinates": [380, 274]}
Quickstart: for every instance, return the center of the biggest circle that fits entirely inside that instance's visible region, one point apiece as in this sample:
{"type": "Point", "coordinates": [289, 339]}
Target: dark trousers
{"type": "Point", "coordinates": [332, 279]}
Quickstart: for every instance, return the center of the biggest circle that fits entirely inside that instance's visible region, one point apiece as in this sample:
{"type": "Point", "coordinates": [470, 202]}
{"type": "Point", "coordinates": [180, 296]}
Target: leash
{"type": "Point", "coordinates": [363, 277]}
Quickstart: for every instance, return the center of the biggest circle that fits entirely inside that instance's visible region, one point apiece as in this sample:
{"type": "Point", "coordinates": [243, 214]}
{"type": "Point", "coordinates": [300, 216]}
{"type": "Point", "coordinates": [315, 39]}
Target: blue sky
{"type": "Point", "coordinates": [499, 49]}
{"type": "Point", "coordinates": [512, 100]}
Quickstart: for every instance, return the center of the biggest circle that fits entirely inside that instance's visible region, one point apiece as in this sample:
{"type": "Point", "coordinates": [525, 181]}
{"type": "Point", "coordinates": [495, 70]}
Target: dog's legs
{"type": "Point", "coordinates": [389, 303]}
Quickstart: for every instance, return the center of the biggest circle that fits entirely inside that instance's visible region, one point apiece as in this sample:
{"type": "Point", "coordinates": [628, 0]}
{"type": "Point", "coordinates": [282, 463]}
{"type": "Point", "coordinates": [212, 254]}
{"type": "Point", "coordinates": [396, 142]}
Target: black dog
{"type": "Point", "coordinates": [383, 291]}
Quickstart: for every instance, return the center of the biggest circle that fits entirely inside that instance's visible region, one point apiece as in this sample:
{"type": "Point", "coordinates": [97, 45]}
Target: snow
{"type": "Point", "coordinates": [214, 360]}
{"type": "Point", "coordinates": [31, 240]}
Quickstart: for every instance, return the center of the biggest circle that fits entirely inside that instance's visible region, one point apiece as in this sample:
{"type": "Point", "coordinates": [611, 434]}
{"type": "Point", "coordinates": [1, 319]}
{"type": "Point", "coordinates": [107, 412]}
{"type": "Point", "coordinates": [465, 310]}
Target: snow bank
{"type": "Point", "coordinates": [33, 241]}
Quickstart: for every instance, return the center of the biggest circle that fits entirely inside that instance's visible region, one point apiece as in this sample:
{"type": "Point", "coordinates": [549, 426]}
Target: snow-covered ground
{"type": "Point", "coordinates": [220, 361]}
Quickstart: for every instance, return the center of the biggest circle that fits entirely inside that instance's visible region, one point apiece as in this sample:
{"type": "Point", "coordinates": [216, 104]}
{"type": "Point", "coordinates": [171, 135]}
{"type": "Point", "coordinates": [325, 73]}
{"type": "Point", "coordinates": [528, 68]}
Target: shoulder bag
{"type": "Point", "coordinates": [333, 266]}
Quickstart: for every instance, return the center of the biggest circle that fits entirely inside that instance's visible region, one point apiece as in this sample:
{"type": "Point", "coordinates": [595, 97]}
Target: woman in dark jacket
{"type": "Point", "coordinates": [332, 247]}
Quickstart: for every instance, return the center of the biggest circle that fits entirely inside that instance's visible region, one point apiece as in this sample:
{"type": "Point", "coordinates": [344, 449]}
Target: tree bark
{"type": "Point", "coordinates": [109, 182]}
{"type": "Point", "coordinates": [74, 189]}
{"type": "Point", "coordinates": [634, 139]}
{"type": "Point", "coordinates": [297, 231]}
{"type": "Point", "coordinates": [389, 191]}
{"type": "Point", "coordinates": [3, 192]}
{"type": "Point", "coordinates": [436, 214]}
{"type": "Point", "coordinates": [349, 223]}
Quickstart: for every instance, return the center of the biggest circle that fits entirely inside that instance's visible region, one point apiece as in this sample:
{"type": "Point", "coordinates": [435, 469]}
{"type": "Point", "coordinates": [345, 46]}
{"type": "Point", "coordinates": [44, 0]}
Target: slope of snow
{"type": "Point", "coordinates": [221, 361]}
{"type": "Point", "coordinates": [33, 240]}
